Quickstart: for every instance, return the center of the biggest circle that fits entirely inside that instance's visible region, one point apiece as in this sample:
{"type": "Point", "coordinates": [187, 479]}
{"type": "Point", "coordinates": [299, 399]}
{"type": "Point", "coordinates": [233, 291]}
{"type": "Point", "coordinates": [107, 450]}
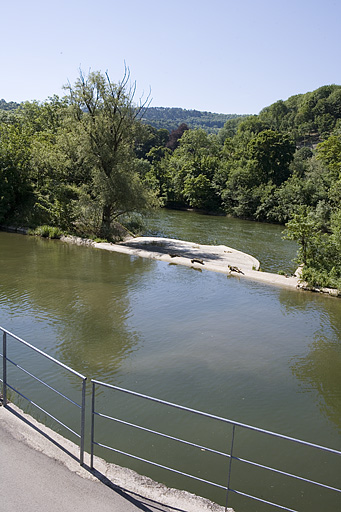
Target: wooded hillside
{"type": "Point", "coordinates": [12, 105]}
{"type": "Point", "coordinates": [171, 118]}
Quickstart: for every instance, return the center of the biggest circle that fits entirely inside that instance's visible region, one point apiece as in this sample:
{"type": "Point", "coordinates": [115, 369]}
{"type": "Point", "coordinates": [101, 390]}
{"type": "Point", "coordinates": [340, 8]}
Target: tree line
{"type": "Point", "coordinates": [171, 117]}
{"type": "Point", "coordinates": [86, 161]}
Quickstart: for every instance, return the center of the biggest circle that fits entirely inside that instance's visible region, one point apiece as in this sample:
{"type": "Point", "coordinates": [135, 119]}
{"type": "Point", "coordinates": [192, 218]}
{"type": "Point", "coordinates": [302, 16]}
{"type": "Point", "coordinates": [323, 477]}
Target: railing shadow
{"type": "Point", "coordinates": [136, 499]}
{"type": "Point", "coordinates": [41, 432]}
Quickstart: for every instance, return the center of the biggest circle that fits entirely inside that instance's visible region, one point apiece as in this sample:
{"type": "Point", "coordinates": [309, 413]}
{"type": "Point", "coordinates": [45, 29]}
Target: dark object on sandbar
{"type": "Point", "coordinates": [175, 255]}
{"type": "Point", "coordinates": [197, 260]}
{"type": "Point", "coordinates": [235, 269]}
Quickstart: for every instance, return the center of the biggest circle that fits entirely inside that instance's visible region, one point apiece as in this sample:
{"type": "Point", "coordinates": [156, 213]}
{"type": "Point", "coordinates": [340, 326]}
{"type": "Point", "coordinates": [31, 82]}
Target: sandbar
{"type": "Point", "coordinates": [216, 258]}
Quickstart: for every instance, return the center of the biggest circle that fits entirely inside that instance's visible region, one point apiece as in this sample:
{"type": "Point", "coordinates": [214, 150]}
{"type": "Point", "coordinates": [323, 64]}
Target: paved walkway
{"type": "Point", "coordinates": [40, 473]}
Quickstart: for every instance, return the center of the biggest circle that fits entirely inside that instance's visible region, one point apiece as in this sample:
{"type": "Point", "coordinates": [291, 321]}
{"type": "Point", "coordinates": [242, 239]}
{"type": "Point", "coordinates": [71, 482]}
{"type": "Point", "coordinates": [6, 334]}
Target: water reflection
{"type": "Point", "coordinates": [319, 369]}
{"type": "Point", "coordinates": [80, 296]}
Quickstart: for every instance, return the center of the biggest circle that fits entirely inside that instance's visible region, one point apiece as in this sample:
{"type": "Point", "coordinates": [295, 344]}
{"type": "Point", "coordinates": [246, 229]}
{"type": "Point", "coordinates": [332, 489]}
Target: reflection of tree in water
{"type": "Point", "coordinates": [293, 301]}
{"type": "Point", "coordinates": [84, 294]}
{"type": "Point", "coordinates": [321, 368]}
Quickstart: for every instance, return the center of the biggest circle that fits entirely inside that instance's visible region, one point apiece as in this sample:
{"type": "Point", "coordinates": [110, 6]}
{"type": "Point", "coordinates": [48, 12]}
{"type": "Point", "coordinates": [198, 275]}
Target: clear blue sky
{"type": "Point", "coordinates": [216, 55]}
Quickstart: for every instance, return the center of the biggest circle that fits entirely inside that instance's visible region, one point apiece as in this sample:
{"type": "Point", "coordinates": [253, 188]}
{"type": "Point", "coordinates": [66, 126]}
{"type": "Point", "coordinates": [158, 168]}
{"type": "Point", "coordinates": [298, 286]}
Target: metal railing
{"type": "Point", "coordinates": [227, 488]}
{"type": "Point", "coordinates": [6, 386]}
{"type": "Point", "coordinates": [230, 457]}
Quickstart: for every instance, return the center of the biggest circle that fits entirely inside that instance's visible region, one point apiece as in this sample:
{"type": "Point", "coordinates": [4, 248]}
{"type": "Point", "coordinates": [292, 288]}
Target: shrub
{"type": "Point", "coordinates": [47, 232]}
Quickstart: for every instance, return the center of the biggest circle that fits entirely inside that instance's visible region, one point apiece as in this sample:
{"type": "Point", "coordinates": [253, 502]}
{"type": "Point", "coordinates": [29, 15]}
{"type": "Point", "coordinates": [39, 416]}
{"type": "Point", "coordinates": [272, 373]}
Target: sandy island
{"type": "Point", "coordinates": [217, 258]}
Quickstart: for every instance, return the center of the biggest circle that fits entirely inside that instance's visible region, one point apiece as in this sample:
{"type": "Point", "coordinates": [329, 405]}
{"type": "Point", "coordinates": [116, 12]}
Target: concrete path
{"type": "Point", "coordinates": [39, 472]}
{"type": "Point", "coordinates": [31, 481]}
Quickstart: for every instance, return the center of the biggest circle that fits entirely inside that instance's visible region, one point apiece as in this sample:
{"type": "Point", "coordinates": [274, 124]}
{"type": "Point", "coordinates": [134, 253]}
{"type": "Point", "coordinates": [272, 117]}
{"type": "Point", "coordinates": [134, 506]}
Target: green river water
{"type": "Point", "coordinates": [254, 353]}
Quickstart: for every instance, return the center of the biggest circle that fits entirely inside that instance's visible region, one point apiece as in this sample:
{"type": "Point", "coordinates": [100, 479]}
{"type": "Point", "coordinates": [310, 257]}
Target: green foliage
{"type": "Point", "coordinates": [8, 106]}
{"type": "Point", "coordinates": [199, 192]}
{"type": "Point", "coordinates": [272, 153]}
{"type": "Point", "coordinates": [171, 118]}
{"type": "Point", "coordinates": [307, 117]}
{"type": "Point", "coordinates": [71, 162]}
{"type": "Point", "coordinates": [329, 152]}
{"type": "Point", "coordinates": [148, 139]}
{"type": "Point", "coordinates": [257, 163]}
{"type": "Point", "coordinates": [47, 232]}
{"type": "Point", "coordinates": [320, 252]}
{"type": "Point", "coordinates": [134, 222]}
{"type": "Point", "coordinates": [192, 169]}
{"type": "Point", "coordinates": [302, 228]}
{"type": "Point", "coordinates": [15, 153]}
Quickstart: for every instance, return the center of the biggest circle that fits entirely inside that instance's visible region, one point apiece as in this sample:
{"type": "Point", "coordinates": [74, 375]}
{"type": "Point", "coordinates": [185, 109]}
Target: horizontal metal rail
{"type": "Point", "coordinates": [214, 484]}
{"type": "Point", "coordinates": [207, 449]}
{"type": "Point", "coordinates": [32, 347]}
{"type": "Point", "coordinates": [43, 410]}
{"type": "Point", "coordinates": [160, 434]}
{"type": "Point", "coordinates": [161, 466]}
{"type": "Point", "coordinates": [6, 385]}
{"type": "Point", "coordinates": [261, 500]}
{"type": "Point", "coordinates": [284, 473]}
{"type": "Point", "coordinates": [42, 382]}
{"type": "Point", "coordinates": [220, 418]}
{"type": "Point", "coordinates": [186, 442]}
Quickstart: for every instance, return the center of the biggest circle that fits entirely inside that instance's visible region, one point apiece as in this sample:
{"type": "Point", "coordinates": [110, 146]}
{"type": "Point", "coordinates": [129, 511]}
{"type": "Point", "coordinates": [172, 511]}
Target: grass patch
{"type": "Point", "coordinates": [46, 232]}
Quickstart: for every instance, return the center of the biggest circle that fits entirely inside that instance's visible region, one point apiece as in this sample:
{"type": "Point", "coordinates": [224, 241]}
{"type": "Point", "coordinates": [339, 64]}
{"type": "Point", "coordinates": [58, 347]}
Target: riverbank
{"type": "Point", "coordinates": [41, 472]}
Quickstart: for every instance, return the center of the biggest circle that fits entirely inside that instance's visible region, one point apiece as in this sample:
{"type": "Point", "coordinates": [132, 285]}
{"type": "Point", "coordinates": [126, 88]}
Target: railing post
{"type": "Point", "coordinates": [230, 468]}
{"type": "Point", "coordinates": [4, 369]}
{"type": "Point", "coordinates": [81, 455]}
{"type": "Point", "coordinates": [92, 425]}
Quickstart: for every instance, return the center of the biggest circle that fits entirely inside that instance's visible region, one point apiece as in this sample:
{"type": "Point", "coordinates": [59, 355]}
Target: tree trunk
{"type": "Point", "coordinates": [106, 221]}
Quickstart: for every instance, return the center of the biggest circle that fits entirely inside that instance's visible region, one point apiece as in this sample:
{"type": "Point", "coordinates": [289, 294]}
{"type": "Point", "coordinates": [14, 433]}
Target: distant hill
{"type": "Point", "coordinates": [11, 105]}
{"type": "Point", "coordinates": [170, 118]}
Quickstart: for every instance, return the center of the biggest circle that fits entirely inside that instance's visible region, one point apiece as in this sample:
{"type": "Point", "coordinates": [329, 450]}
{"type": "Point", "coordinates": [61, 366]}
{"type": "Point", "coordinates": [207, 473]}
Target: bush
{"type": "Point", "coordinates": [47, 232]}
{"type": "Point", "coordinates": [320, 278]}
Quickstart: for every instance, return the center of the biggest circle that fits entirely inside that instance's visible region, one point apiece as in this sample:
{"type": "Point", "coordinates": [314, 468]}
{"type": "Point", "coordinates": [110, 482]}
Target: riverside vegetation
{"type": "Point", "coordinates": [86, 162]}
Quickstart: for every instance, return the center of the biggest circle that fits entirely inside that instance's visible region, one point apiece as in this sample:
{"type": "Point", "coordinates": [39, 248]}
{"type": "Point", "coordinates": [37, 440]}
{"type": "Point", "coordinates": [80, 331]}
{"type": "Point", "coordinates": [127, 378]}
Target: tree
{"type": "Point", "coordinates": [329, 152]}
{"type": "Point", "coordinates": [199, 192]}
{"type": "Point", "coordinates": [193, 167]}
{"type": "Point", "coordinates": [149, 138]}
{"type": "Point", "coordinates": [14, 170]}
{"type": "Point", "coordinates": [319, 252]}
{"type": "Point", "coordinates": [302, 228]}
{"type": "Point", "coordinates": [105, 120]}
{"type": "Point", "coordinates": [273, 153]}
{"type": "Point", "coordinates": [175, 136]}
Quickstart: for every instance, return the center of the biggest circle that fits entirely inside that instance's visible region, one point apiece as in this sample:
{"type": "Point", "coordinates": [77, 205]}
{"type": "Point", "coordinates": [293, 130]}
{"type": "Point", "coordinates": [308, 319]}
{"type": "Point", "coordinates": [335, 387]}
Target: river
{"type": "Point", "coordinates": [254, 353]}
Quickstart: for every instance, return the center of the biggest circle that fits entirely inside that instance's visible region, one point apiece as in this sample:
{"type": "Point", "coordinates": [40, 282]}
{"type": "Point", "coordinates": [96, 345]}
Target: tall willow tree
{"type": "Point", "coordinates": [105, 121]}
